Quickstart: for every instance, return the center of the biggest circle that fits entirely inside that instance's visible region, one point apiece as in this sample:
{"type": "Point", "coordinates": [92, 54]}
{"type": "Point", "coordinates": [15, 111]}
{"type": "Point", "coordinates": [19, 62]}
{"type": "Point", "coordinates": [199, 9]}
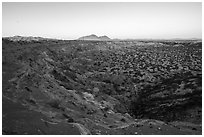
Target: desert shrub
{"type": "Point", "coordinates": [55, 103]}
{"type": "Point", "coordinates": [120, 108]}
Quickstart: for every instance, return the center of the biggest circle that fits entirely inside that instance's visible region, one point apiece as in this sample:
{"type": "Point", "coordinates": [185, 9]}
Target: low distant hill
{"type": "Point", "coordinates": [29, 38]}
{"type": "Point", "coordinates": [104, 38]}
{"type": "Point", "coordinates": [94, 38]}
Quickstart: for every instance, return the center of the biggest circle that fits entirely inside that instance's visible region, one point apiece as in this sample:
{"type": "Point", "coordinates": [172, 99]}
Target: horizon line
{"type": "Point", "coordinates": [107, 36]}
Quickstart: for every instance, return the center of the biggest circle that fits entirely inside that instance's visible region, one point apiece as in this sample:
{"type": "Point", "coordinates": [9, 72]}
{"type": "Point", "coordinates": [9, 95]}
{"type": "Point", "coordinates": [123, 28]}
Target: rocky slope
{"type": "Point", "coordinates": [91, 87]}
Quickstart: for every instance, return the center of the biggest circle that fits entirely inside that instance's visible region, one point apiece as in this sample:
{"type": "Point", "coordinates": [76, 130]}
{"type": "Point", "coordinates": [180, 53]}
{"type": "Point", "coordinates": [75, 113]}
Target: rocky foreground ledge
{"type": "Point", "coordinates": [101, 88]}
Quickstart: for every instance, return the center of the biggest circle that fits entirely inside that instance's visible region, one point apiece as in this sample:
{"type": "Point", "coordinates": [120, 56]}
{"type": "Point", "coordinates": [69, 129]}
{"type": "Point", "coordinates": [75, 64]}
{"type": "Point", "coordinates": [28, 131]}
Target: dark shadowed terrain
{"type": "Point", "coordinates": [101, 87]}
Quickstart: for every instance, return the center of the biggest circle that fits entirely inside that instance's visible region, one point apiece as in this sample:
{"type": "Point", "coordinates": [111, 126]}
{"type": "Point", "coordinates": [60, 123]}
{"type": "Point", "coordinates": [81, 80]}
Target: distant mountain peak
{"type": "Point", "coordinates": [94, 38]}
{"type": "Point", "coordinates": [93, 35]}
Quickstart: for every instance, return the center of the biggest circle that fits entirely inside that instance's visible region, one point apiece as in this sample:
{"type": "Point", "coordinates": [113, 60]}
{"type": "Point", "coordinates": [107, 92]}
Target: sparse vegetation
{"type": "Point", "coordinates": [112, 82]}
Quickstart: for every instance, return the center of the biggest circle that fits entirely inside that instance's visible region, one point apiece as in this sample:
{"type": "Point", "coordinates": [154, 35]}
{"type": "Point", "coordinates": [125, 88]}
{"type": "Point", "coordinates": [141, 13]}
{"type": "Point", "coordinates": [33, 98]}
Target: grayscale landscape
{"type": "Point", "coordinates": [100, 83]}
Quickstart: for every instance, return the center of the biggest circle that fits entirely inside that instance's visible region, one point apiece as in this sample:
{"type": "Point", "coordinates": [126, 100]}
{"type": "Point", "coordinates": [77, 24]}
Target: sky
{"type": "Point", "coordinates": [116, 20]}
